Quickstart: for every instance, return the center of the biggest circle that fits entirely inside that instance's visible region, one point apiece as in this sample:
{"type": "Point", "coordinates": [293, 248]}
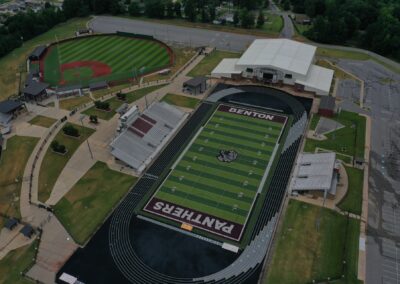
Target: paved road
{"type": "Point", "coordinates": [288, 28]}
{"type": "Point", "coordinates": [382, 97]}
{"type": "Point", "coordinates": [382, 91]}
{"type": "Point", "coordinates": [175, 34]}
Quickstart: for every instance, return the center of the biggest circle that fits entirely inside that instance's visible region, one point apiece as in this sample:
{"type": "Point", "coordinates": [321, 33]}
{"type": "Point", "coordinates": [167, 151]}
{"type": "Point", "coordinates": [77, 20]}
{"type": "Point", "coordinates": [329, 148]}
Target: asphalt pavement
{"type": "Point", "coordinates": [174, 34]}
{"type": "Point", "coordinates": [382, 100]}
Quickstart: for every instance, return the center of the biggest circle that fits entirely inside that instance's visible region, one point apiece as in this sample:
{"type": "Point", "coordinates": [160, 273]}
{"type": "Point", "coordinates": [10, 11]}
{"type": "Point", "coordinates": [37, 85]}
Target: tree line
{"type": "Point", "coordinates": [24, 26]}
{"type": "Point", "coordinates": [370, 24]}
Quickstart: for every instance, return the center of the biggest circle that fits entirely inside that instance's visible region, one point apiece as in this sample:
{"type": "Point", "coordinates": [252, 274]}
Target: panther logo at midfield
{"type": "Point", "coordinates": [227, 156]}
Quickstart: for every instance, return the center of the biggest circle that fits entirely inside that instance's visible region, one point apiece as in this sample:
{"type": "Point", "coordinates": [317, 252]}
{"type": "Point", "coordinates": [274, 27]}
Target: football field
{"type": "Point", "coordinates": [215, 182]}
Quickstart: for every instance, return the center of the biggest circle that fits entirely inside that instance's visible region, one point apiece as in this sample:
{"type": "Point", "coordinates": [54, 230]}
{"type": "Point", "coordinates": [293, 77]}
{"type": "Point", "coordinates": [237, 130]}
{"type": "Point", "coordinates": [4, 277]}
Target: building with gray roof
{"type": "Point", "coordinates": [315, 174]}
{"type": "Point", "coordinates": [142, 136]}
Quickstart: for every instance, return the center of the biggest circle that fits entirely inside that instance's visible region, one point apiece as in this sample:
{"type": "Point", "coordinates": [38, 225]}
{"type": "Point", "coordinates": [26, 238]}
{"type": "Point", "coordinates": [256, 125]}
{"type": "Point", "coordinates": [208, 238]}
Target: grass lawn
{"type": "Point", "coordinates": [210, 62]}
{"type": "Point", "coordinates": [352, 202]}
{"type": "Point", "coordinates": [12, 165]}
{"type": "Point", "coordinates": [314, 121]}
{"type": "Point", "coordinates": [338, 72]}
{"type": "Point", "coordinates": [42, 121]}
{"type": "Point", "coordinates": [106, 115]}
{"type": "Point", "coordinates": [304, 253]}
{"type": "Point", "coordinates": [329, 52]}
{"type": "Point", "coordinates": [99, 93]}
{"type": "Point", "coordinates": [16, 262]}
{"type": "Point", "coordinates": [348, 140]}
{"type": "Point", "coordinates": [74, 102]}
{"type": "Point", "coordinates": [181, 101]}
{"type": "Point", "coordinates": [53, 163]}
{"type": "Point", "coordinates": [88, 203]}
{"type": "Point", "coordinates": [273, 24]}
{"type": "Point", "coordinates": [182, 55]}
{"type": "Point", "coordinates": [137, 94]}
{"type": "Point", "coordinates": [14, 62]}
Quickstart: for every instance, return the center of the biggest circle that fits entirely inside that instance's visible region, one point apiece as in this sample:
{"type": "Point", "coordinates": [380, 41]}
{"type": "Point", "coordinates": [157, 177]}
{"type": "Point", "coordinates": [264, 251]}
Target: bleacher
{"type": "Point", "coordinates": [119, 235]}
{"type": "Point", "coordinates": [140, 141]}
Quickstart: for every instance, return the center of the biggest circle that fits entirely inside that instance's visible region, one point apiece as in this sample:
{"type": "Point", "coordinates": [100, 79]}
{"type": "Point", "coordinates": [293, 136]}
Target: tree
{"type": "Point", "coordinates": [155, 9]}
{"type": "Point", "coordinates": [177, 8]}
{"type": "Point", "coordinates": [286, 5]}
{"type": "Point", "coordinates": [260, 19]}
{"type": "Point", "coordinates": [246, 19]}
{"type": "Point", "coordinates": [205, 17]}
{"type": "Point", "coordinates": [236, 19]}
{"type": "Point", "coordinates": [71, 130]}
{"type": "Point", "coordinates": [211, 12]}
{"type": "Point", "coordinates": [266, 4]}
{"type": "Point", "coordinates": [93, 119]}
{"type": "Point", "coordinates": [170, 8]}
{"type": "Point", "coordinates": [134, 9]}
{"type": "Point", "coordinates": [190, 10]}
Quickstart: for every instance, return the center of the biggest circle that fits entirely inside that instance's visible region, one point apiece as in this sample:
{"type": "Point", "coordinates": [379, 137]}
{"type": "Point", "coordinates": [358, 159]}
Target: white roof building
{"type": "Point", "coordinates": [315, 172]}
{"type": "Point", "coordinates": [275, 60]}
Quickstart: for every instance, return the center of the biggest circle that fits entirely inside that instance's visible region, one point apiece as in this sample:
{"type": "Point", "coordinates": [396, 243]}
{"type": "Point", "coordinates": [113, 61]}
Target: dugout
{"type": "Point", "coordinates": [37, 52]}
{"type": "Point", "coordinates": [35, 91]}
{"type": "Point", "coordinates": [195, 86]}
{"type": "Point", "coordinates": [98, 85]}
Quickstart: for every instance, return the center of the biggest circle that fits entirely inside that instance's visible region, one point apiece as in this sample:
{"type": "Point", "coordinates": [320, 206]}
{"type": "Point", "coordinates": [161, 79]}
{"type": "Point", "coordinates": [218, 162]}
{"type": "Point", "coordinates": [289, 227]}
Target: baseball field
{"type": "Point", "coordinates": [106, 57]}
{"type": "Point", "coordinates": [214, 183]}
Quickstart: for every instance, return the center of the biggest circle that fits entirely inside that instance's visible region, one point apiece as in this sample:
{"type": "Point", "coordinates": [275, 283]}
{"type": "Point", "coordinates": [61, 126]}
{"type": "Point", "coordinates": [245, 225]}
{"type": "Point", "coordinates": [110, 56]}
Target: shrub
{"type": "Point", "coordinates": [70, 130]}
{"type": "Point", "coordinates": [93, 119]}
{"type": "Point", "coordinates": [121, 96]}
{"type": "Point", "coordinates": [102, 105]}
{"type": "Point", "coordinates": [57, 147]}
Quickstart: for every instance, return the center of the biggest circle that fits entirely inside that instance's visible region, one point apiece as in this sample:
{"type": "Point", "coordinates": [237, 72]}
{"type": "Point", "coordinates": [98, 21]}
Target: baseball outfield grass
{"type": "Point", "coordinates": [106, 57]}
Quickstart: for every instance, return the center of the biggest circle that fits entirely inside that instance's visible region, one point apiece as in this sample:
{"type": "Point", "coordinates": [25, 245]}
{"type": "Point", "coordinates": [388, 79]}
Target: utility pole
{"type": "Point", "coordinates": [87, 140]}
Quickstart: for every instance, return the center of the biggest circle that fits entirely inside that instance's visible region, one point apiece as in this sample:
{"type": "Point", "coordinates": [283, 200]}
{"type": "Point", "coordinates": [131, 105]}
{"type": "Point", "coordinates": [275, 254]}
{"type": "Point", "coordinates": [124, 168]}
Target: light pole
{"type": "Point", "coordinates": [81, 118]}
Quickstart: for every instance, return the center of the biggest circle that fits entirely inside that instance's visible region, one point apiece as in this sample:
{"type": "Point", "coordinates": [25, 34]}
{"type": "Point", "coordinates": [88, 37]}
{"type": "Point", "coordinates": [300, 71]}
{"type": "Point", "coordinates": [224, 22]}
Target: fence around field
{"type": "Point", "coordinates": [121, 77]}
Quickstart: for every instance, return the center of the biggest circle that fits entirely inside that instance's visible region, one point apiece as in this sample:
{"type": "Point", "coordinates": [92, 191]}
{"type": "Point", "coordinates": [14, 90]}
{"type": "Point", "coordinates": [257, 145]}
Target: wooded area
{"type": "Point", "coordinates": [370, 24]}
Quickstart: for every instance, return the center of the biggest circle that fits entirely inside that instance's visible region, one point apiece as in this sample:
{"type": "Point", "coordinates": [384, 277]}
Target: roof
{"type": "Point", "coordinates": [314, 171]}
{"type": "Point", "coordinates": [284, 54]}
{"type": "Point", "coordinates": [9, 106]}
{"type": "Point", "coordinates": [27, 231]}
{"type": "Point", "coordinates": [11, 223]}
{"type": "Point", "coordinates": [227, 66]}
{"type": "Point", "coordinates": [38, 51]}
{"type": "Point", "coordinates": [35, 88]}
{"type": "Point", "coordinates": [69, 88]}
{"type": "Point", "coordinates": [144, 135]}
{"type": "Point", "coordinates": [318, 78]}
{"type": "Point", "coordinates": [196, 81]}
{"type": "Point", "coordinates": [101, 84]}
{"type": "Point", "coordinates": [327, 102]}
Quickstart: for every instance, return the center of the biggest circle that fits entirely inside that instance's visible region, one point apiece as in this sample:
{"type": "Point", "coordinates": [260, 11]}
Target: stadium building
{"type": "Point", "coordinates": [279, 61]}
{"type": "Point", "coordinates": [141, 136]}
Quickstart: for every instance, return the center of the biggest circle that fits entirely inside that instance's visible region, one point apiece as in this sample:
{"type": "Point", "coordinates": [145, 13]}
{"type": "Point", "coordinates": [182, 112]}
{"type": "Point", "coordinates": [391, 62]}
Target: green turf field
{"type": "Point", "coordinates": [108, 57]}
{"type": "Point", "coordinates": [201, 183]}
